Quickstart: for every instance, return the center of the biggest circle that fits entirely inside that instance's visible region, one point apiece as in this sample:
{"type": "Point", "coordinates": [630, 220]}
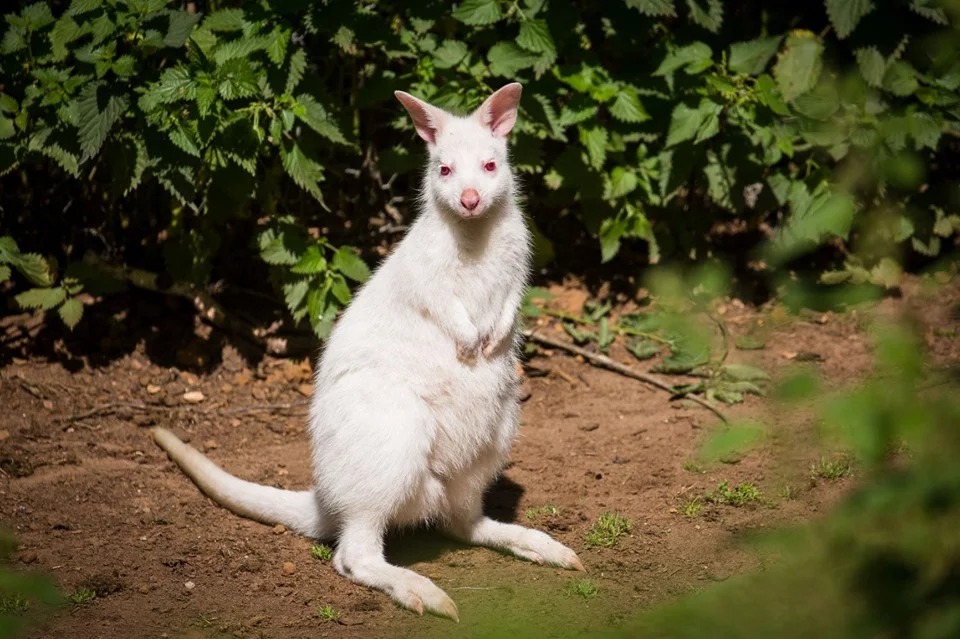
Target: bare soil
{"type": "Point", "coordinates": [96, 504]}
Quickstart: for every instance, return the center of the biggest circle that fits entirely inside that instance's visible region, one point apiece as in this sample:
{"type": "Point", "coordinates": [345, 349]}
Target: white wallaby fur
{"type": "Point", "coordinates": [416, 393]}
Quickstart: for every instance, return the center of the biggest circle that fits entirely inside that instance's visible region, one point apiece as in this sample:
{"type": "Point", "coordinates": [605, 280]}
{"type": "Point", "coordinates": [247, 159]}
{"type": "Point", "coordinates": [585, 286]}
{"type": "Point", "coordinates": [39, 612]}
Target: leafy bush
{"type": "Point", "coordinates": [201, 140]}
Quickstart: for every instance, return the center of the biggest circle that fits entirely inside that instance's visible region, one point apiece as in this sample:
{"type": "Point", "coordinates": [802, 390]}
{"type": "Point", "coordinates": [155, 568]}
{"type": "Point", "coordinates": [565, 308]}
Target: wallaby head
{"type": "Point", "coordinates": [468, 173]}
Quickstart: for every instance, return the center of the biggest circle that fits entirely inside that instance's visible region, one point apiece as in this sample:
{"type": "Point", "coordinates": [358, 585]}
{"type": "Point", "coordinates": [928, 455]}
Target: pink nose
{"type": "Point", "coordinates": [469, 199]}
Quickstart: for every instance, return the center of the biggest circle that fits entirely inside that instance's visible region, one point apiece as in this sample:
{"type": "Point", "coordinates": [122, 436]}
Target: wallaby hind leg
{"type": "Point", "coordinates": [359, 558]}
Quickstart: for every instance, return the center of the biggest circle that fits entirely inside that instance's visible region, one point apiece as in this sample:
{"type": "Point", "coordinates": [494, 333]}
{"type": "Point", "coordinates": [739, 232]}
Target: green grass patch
{"type": "Point", "coordinates": [13, 605]}
{"type": "Point", "coordinates": [541, 512]}
{"type": "Point", "coordinates": [328, 614]}
{"type": "Point", "coordinates": [831, 469]}
{"type": "Point", "coordinates": [82, 596]}
{"type": "Point", "coordinates": [585, 588]}
{"type": "Point", "coordinates": [737, 496]}
{"type": "Point", "coordinates": [608, 530]}
{"type": "Point", "coordinates": [321, 552]}
{"type": "Point", "coordinates": [692, 507]}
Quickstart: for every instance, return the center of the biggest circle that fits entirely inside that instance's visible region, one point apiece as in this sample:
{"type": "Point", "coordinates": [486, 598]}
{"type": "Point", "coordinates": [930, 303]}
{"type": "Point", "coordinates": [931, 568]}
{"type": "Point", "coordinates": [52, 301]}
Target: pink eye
{"type": "Point", "coordinates": [490, 167]}
{"type": "Point", "coordinates": [444, 171]}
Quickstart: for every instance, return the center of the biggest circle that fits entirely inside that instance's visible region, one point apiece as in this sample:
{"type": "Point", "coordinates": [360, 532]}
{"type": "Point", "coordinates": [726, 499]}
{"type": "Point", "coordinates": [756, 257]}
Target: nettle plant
{"type": "Point", "coordinates": [213, 108]}
{"type": "Point", "coordinates": [656, 119]}
{"type": "Point", "coordinates": [207, 135]}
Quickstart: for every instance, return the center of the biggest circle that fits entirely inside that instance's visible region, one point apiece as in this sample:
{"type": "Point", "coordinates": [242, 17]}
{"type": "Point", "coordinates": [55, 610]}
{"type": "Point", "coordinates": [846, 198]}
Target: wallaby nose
{"type": "Point", "coordinates": [469, 199]}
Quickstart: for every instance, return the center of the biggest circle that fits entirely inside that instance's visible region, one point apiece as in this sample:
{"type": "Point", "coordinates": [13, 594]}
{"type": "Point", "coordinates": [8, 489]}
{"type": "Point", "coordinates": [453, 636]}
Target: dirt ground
{"type": "Point", "coordinates": [96, 504]}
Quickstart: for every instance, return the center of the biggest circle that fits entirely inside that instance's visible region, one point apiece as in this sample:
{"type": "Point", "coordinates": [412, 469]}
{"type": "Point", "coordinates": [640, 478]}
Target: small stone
{"type": "Point", "coordinates": [47, 404]}
{"type": "Point", "coordinates": [305, 389]}
{"type": "Point", "coordinates": [144, 589]}
{"type": "Point", "coordinates": [279, 529]}
{"type": "Point", "coordinates": [189, 585]}
{"type": "Point", "coordinates": [29, 557]}
{"type": "Point", "coordinates": [289, 568]}
{"type": "Point", "coordinates": [153, 389]}
{"type": "Point", "coordinates": [592, 426]}
{"type": "Point", "coordinates": [4, 434]}
{"type": "Point", "coordinates": [193, 397]}
{"type": "Point", "coordinates": [211, 444]}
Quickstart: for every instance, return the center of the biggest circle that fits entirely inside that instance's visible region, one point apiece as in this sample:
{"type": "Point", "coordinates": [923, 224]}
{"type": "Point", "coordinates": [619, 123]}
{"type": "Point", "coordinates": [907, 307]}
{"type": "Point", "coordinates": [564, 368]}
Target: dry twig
{"type": "Point", "coordinates": [605, 362]}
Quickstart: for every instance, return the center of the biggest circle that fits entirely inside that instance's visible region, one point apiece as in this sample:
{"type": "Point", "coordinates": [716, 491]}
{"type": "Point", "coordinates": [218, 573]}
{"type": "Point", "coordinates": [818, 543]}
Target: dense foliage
{"type": "Point", "coordinates": [192, 137]}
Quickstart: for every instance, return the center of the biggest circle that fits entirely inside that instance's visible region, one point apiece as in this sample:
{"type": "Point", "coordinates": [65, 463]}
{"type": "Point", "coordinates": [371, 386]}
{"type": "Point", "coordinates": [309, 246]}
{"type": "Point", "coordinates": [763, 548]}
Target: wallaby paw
{"type": "Point", "coordinates": [422, 595]}
{"type": "Point", "coordinates": [540, 548]}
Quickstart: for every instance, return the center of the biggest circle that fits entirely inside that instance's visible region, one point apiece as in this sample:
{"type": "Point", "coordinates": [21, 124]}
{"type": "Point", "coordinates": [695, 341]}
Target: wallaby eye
{"type": "Point", "coordinates": [444, 170]}
{"type": "Point", "coordinates": [490, 167]}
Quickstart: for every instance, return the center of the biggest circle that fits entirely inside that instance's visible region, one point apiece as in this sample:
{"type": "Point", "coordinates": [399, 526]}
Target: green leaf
{"type": "Point", "coordinates": [274, 247]}
{"type": "Point", "coordinates": [5, 273]}
{"type": "Point", "coordinates": [305, 172]}
{"type": "Point", "coordinates": [294, 294]}
{"type": "Point", "coordinates": [594, 141]}
{"type": "Point", "coordinates": [744, 373]}
{"type": "Point", "coordinates": [70, 312]}
{"type": "Point", "coordinates": [6, 128]}
{"type": "Point", "coordinates": [732, 440]}
{"type": "Point", "coordinates": [752, 57]}
{"type": "Point", "coordinates": [449, 54]}
{"type": "Point", "coordinates": [771, 95]}
{"type": "Point", "coordinates": [315, 116]}
{"type": "Point", "coordinates": [44, 298]}
{"type": "Point", "coordinates": [310, 262]}
{"type": "Point", "coordinates": [535, 36]}
{"type": "Point", "coordinates": [277, 47]}
{"type": "Point", "coordinates": [887, 273]}
{"type": "Point", "coordinates": [709, 17]}
{"type": "Point", "coordinates": [721, 178]}
{"type": "Point", "coordinates": [620, 182]}
{"type": "Point", "coordinates": [698, 124]}
{"type": "Point", "coordinates": [846, 14]}
{"type": "Point", "coordinates": [348, 261]}
{"type": "Point", "coordinates": [180, 27]}
{"type": "Point", "coordinates": [644, 349]}
{"type": "Point", "coordinates": [506, 59]}
{"type": "Point", "coordinates": [872, 65]}
{"type": "Point", "coordinates": [627, 107]}
{"type": "Point", "coordinates": [36, 269]}
{"type": "Point", "coordinates": [799, 64]}
{"type": "Point", "coordinates": [240, 48]}
{"type": "Point", "coordinates": [693, 58]}
{"type": "Point", "coordinates": [934, 13]}
{"type": "Point", "coordinates": [97, 111]}
{"type": "Point", "coordinates": [237, 79]}
{"type": "Point", "coordinates": [174, 85]}
{"type": "Point", "coordinates": [8, 104]}
{"type": "Point", "coordinates": [340, 289]}
{"type": "Point", "coordinates": [579, 336]}
{"type": "Point", "coordinates": [478, 12]}
{"type": "Point", "coordinates": [298, 64]}
{"type": "Point", "coordinates": [654, 8]}
{"type": "Point", "coordinates": [900, 79]}
{"type": "Point", "coordinates": [225, 20]}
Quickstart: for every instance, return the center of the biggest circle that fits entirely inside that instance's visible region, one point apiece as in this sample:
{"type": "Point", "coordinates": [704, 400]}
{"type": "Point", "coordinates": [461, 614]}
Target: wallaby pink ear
{"type": "Point", "coordinates": [427, 119]}
{"type": "Point", "coordinates": [499, 111]}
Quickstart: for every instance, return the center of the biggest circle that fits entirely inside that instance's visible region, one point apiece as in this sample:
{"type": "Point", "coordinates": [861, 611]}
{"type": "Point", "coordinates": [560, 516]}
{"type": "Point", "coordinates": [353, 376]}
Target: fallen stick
{"type": "Point", "coordinates": [603, 361]}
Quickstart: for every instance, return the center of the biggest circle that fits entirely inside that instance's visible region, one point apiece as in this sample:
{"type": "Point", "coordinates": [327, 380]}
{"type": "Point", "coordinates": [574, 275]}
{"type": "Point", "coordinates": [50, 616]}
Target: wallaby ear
{"type": "Point", "coordinates": [427, 119]}
{"type": "Point", "coordinates": [499, 111]}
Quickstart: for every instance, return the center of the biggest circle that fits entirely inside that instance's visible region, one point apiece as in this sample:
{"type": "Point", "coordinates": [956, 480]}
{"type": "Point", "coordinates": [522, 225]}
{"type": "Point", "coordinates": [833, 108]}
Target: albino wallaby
{"type": "Point", "coordinates": [416, 393]}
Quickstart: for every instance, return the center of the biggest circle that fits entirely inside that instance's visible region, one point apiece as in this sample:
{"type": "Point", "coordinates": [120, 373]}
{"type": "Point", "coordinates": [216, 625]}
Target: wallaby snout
{"type": "Point", "coordinates": [469, 199]}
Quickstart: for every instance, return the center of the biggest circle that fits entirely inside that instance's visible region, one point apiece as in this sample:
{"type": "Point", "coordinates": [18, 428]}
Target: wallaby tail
{"type": "Point", "coordinates": [297, 510]}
